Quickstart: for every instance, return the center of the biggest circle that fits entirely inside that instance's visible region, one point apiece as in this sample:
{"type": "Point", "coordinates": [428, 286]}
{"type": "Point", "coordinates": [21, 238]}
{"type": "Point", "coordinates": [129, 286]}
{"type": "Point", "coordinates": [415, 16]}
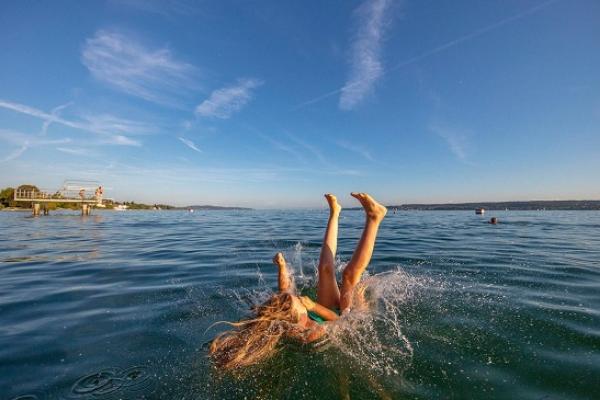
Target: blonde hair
{"type": "Point", "coordinates": [255, 339]}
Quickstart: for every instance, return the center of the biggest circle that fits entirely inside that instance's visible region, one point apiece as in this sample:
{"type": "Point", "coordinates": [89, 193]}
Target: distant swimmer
{"type": "Point", "coordinates": [288, 315]}
{"type": "Point", "coordinates": [493, 220]}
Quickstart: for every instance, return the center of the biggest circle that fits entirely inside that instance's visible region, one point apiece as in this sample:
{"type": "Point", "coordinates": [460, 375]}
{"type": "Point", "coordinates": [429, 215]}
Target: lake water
{"type": "Point", "coordinates": [117, 305]}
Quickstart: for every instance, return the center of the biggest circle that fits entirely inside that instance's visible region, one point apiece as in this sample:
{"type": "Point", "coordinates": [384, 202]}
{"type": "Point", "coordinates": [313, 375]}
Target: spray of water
{"type": "Point", "coordinates": [372, 337]}
{"type": "Point", "coordinates": [297, 259]}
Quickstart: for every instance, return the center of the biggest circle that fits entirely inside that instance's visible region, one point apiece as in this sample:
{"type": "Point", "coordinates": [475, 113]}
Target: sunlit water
{"type": "Point", "coordinates": [118, 306]}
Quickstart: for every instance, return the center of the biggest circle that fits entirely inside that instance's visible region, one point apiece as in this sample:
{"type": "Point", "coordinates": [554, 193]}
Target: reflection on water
{"type": "Point", "coordinates": [118, 305]}
{"type": "Point", "coordinates": [123, 383]}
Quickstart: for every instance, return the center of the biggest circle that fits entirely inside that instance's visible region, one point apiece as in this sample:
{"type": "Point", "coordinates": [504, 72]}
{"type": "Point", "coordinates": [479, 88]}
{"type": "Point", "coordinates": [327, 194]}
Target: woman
{"type": "Point", "coordinates": [287, 315]}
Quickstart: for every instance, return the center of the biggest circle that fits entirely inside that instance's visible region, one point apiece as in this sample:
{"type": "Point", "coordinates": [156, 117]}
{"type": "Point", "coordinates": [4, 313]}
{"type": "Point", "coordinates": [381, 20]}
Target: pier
{"type": "Point", "coordinates": [86, 193]}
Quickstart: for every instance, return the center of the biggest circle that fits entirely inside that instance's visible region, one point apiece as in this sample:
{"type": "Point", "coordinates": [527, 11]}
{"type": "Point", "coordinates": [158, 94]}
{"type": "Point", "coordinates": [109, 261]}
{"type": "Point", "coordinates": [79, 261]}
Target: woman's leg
{"type": "Point", "coordinates": [285, 282]}
{"type": "Point", "coordinates": [375, 213]}
{"type": "Point", "coordinates": [328, 293]}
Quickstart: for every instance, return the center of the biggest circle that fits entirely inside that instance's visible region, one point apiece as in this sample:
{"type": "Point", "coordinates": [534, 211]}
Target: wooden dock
{"type": "Point", "coordinates": [86, 193]}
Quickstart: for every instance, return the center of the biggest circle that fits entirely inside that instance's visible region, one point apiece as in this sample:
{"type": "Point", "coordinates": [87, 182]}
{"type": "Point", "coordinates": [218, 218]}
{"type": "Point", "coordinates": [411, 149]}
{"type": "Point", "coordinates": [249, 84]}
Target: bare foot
{"type": "Point", "coordinates": [279, 260]}
{"type": "Point", "coordinates": [334, 206]}
{"type": "Point", "coordinates": [373, 209]}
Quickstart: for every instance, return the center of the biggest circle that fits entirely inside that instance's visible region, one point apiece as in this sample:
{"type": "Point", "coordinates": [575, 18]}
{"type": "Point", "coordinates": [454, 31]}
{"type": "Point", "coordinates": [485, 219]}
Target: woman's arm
{"type": "Point", "coordinates": [285, 283]}
{"type": "Point", "coordinates": [309, 333]}
{"type": "Point", "coordinates": [314, 332]}
{"type": "Point", "coordinates": [318, 309]}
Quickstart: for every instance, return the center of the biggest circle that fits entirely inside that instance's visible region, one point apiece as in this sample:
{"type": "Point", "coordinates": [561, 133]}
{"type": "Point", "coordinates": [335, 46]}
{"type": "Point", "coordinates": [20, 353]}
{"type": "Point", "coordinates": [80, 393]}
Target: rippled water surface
{"type": "Point", "coordinates": [117, 305]}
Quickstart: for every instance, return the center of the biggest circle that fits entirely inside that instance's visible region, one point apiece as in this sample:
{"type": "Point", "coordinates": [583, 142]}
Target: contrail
{"type": "Point", "coordinates": [440, 48]}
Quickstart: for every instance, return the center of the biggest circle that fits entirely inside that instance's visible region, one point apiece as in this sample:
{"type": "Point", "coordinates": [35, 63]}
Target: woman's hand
{"type": "Point", "coordinates": [307, 302]}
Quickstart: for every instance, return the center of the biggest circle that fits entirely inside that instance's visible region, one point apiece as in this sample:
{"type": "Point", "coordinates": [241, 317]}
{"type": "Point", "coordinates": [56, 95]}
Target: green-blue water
{"type": "Point", "coordinates": [116, 305]}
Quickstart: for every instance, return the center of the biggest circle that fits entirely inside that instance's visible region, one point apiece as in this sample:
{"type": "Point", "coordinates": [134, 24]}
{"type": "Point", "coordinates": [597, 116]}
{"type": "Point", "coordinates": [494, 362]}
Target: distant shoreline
{"type": "Point", "coordinates": [195, 208]}
{"type": "Point", "coordinates": [532, 205]}
{"type": "Point", "coordinates": [208, 207]}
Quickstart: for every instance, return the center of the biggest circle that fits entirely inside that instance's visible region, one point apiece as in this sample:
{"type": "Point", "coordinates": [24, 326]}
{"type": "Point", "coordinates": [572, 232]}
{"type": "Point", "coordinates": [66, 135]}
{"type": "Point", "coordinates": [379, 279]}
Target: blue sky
{"type": "Point", "coordinates": [272, 104]}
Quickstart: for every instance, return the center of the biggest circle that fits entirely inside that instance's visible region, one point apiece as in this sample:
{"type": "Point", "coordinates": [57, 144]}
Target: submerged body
{"type": "Point", "coordinates": [299, 317]}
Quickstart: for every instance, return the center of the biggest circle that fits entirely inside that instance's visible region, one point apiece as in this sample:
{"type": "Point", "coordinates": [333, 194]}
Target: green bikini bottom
{"type": "Point", "coordinates": [318, 319]}
{"type": "Point", "coordinates": [312, 293]}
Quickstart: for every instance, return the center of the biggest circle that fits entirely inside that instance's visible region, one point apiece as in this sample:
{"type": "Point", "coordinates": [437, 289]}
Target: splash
{"type": "Point", "coordinates": [371, 335]}
{"type": "Point", "coordinates": [297, 259]}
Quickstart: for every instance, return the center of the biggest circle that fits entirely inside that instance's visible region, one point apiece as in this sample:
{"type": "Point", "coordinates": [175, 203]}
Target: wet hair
{"type": "Point", "coordinates": [255, 339]}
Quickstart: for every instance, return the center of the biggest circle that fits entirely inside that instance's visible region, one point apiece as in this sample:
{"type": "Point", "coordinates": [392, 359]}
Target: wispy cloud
{"type": "Point", "coordinates": [175, 173]}
{"type": "Point", "coordinates": [190, 144]}
{"type": "Point", "coordinates": [366, 66]}
{"type": "Point", "coordinates": [24, 142]}
{"type": "Point", "coordinates": [74, 151]}
{"type": "Point", "coordinates": [16, 153]}
{"type": "Point", "coordinates": [108, 123]}
{"type": "Point", "coordinates": [121, 140]}
{"type": "Point", "coordinates": [363, 152]}
{"type": "Point", "coordinates": [312, 149]}
{"type": "Point", "coordinates": [309, 155]}
{"type": "Point", "coordinates": [472, 35]}
{"type": "Point", "coordinates": [24, 109]}
{"type": "Point", "coordinates": [457, 140]}
{"type": "Point", "coordinates": [55, 112]}
{"type": "Point", "coordinates": [283, 147]}
{"type": "Point", "coordinates": [20, 138]}
{"type": "Point", "coordinates": [224, 102]}
{"type": "Point", "coordinates": [102, 124]}
{"type": "Point", "coordinates": [130, 67]}
{"type": "Point", "coordinates": [438, 49]}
